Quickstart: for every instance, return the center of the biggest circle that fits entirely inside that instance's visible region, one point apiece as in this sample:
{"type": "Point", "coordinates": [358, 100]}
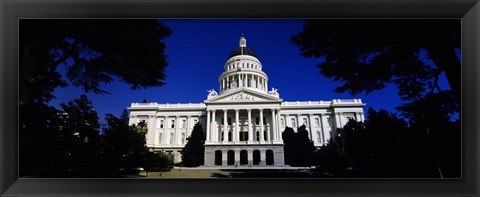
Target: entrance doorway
{"type": "Point", "coordinates": [243, 157]}
{"type": "Point", "coordinates": [269, 157]}
{"type": "Point", "coordinates": [230, 157]}
{"type": "Point", "coordinates": [256, 157]}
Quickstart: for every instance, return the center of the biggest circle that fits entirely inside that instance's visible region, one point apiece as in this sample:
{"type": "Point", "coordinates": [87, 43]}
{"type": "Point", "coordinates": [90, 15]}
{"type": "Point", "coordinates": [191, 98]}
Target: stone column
{"type": "Point", "coordinates": [266, 85]}
{"type": "Point", "coordinates": [250, 157]}
{"type": "Point", "coordinates": [213, 128]}
{"type": "Point", "coordinates": [313, 134]}
{"type": "Point", "coordinates": [240, 80]}
{"type": "Point", "coordinates": [208, 126]}
{"type": "Point", "coordinates": [189, 130]}
{"type": "Point", "coordinates": [224, 157]}
{"type": "Point", "coordinates": [156, 141]}
{"type": "Point", "coordinates": [250, 132]}
{"type": "Point", "coordinates": [225, 122]}
{"type": "Point", "coordinates": [262, 157]}
{"type": "Point", "coordinates": [237, 157]}
{"type": "Point", "coordinates": [151, 130]}
{"type": "Point", "coordinates": [177, 134]}
{"type": "Point", "coordinates": [246, 80]}
{"type": "Point", "coordinates": [165, 130]}
{"type": "Point", "coordinates": [273, 127]}
{"type": "Point", "coordinates": [324, 129]}
{"type": "Point", "coordinates": [262, 136]}
{"type": "Point", "coordinates": [237, 132]}
{"type": "Point", "coordinates": [279, 130]}
{"type": "Point", "coordinates": [223, 85]}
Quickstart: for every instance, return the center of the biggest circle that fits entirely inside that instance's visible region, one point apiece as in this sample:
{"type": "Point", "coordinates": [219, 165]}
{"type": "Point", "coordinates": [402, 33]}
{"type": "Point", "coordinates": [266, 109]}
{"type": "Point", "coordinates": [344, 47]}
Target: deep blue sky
{"type": "Point", "coordinates": [197, 51]}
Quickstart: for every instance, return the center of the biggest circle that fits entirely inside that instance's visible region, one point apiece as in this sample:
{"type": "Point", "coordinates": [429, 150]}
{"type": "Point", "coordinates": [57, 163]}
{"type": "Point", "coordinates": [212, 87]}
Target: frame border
{"type": "Point", "coordinates": [11, 11]}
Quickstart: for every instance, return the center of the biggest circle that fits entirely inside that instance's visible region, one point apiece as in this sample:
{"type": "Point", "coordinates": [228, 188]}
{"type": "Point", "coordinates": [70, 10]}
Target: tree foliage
{"type": "Point", "coordinates": [298, 148]}
{"type": "Point", "coordinates": [386, 146]}
{"type": "Point", "coordinates": [90, 53]}
{"type": "Point", "coordinates": [93, 51]}
{"type": "Point", "coordinates": [124, 145]}
{"type": "Point", "coordinates": [194, 151]}
{"type": "Point", "coordinates": [366, 55]}
{"type": "Point", "coordinates": [79, 131]}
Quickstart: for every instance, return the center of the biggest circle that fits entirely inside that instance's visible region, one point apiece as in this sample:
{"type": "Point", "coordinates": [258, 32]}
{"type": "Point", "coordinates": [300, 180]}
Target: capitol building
{"type": "Point", "coordinates": [243, 122]}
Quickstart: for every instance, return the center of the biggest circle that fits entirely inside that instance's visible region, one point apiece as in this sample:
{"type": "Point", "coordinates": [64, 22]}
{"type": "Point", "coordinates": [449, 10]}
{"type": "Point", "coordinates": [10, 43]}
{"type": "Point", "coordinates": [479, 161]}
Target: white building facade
{"type": "Point", "coordinates": [243, 124]}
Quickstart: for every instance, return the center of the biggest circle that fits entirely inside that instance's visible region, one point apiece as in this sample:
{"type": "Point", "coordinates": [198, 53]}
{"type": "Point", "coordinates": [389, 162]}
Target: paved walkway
{"type": "Point", "coordinates": [236, 173]}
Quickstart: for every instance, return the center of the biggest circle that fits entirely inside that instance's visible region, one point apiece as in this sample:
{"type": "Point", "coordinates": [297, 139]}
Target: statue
{"type": "Point", "coordinates": [274, 91]}
{"type": "Point", "coordinates": [212, 93]}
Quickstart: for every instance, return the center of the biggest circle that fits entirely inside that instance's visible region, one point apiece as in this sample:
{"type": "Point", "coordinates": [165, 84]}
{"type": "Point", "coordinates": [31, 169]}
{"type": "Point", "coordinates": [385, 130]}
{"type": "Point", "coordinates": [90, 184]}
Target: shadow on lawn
{"type": "Point", "coordinates": [254, 173]}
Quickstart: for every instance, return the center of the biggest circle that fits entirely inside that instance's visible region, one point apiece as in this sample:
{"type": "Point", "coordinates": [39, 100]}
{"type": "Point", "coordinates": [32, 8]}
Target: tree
{"type": "Point", "coordinates": [124, 145]}
{"type": "Point", "coordinates": [93, 52]}
{"type": "Point", "coordinates": [298, 148]}
{"type": "Point", "coordinates": [124, 116]}
{"type": "Point", "coordinates": [366, 55]}
{"type": "Point", "coordinates": [194, 151]}
{"type": "Point", "coordinates": [79, 132]}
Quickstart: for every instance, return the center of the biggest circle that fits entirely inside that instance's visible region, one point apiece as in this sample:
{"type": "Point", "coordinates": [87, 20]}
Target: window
{"type": "Point", "coordinates": [229, 121]}
{"type": "Point", "coordinates": [160, 138]}
{"type": "Point", "coordinates": [183, 138]}
{"type": "Point", "coordinates": [161, 124]}
{"type": "Point", "coordinates": [305, 122]}
{"type": "Point", "coordinates": [222, 121]}
{"type": "Point", "coordinates": [257, 120]}
{"type": "Point", "coordinates": [319, 138]}
{"type": "Point", "coordinates": [293, 123]}
{"type": "Point", "coordinates": [184, 123]}
{"type": "Point", "coordinates": [282, 124]}
{"type": "Point", "coordinates": [258, 135]}
{"type": "Point", "coordinates": [171, 138]}
{"type": "Point", "coordinates": [172, 122]}
{"type": "Point", "coordinates": [264, 121]}
{"type": "Point", "coordinates": [329, 122]}
{"type": "Point", "coordinates": [317, 122]}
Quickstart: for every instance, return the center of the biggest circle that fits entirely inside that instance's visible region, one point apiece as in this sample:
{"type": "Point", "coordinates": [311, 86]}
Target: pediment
{"type": "Point", "coordinates": [243, 96]}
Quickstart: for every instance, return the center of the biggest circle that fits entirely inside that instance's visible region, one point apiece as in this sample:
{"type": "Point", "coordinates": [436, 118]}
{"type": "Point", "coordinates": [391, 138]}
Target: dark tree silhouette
{"type": "Point", "coordinates": [366, 55]}
{"type": "Point", "coordinates": [124, 145]}
{"type": "Point", "coordinates": [194, 150]}
{"type": "Point", "coordinates": [93, 52]}
{"type": "Point", "coordinates": [124, 116]}
{"type": "Point", "coordinates": [298, 148]}
{"type": "Point", "coordinates": [79, 132]}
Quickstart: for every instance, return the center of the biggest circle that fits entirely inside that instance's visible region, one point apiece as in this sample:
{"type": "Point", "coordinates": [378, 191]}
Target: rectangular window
{"type": "Point", "coordinates": [294, 124]}
{"type": "Point", "coordinates": [317, 122]}
{"type": "Point", "coordinates": [257, 120]}
{"type": "Point", "coordinates": [172, 124]}
{"type": "Point", "coordinates": [183, 138]}
{"type": "Point", "coordinates": [329, 122]}
{"type": "Point", "coordinates": [171, 138]}
{"type": "Point", "coordinates": [281, 123]}
{"type": "Point", "coordinates": [264, 120]}
{"type": "Point", "coordinates": [184, 123]}
{"type": "Point", "coordinates": [305, 122]}
{"type": "Point", "coordinates": [229, 120]}
{"type": "Point", "coordinates": [161, 124]}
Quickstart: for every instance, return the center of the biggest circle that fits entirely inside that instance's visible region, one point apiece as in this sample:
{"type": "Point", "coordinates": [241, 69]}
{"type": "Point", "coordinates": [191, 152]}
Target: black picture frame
{"type": "Point", "coordinates": [11, 11]}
